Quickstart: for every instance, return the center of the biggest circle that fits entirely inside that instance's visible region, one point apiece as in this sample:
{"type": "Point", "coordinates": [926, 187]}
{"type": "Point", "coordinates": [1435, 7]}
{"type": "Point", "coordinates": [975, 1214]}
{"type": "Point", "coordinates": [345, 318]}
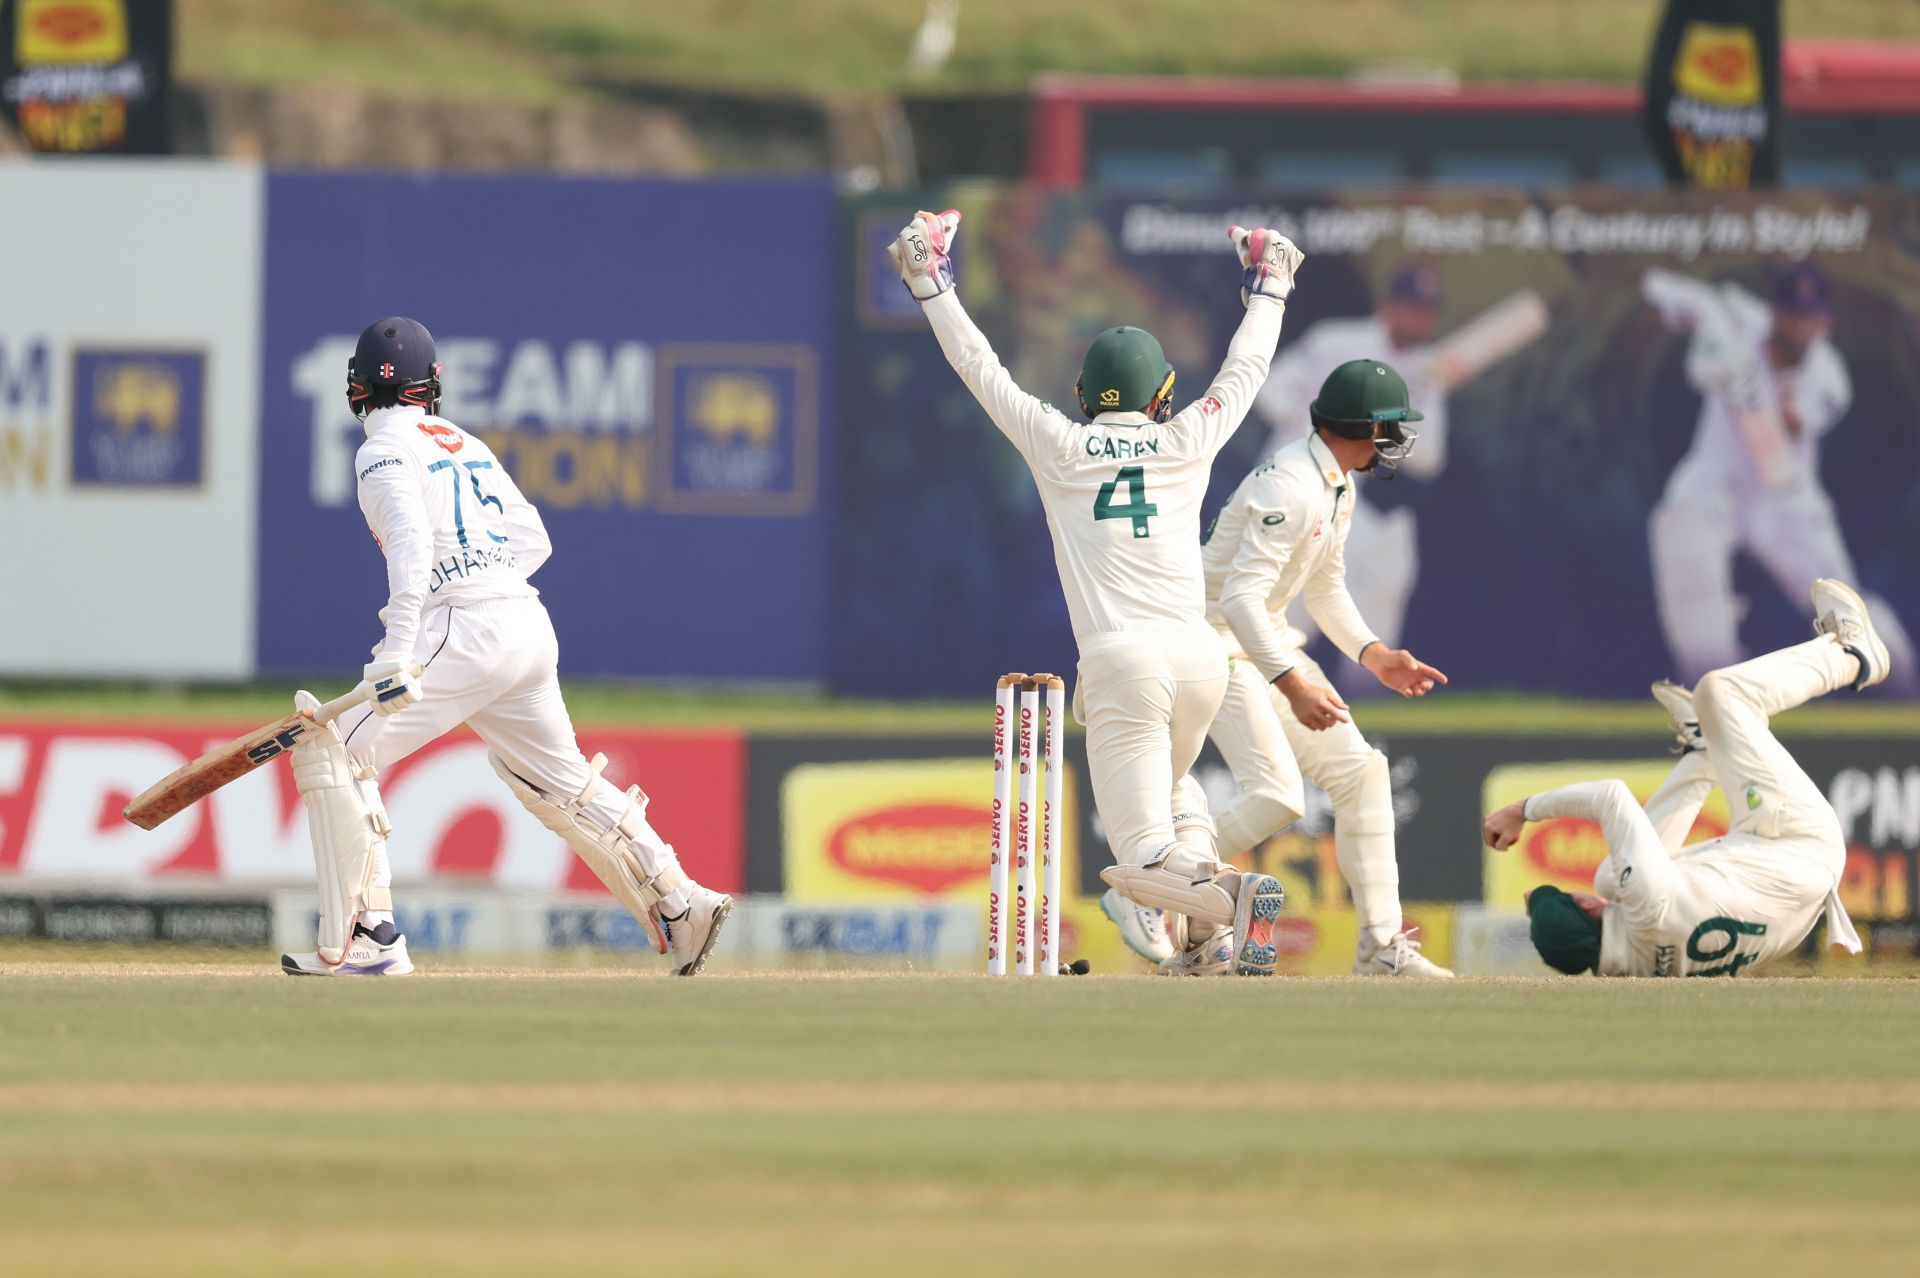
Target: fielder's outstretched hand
{"type": "Point", "coordinates": [1268, 260]}
{"type": "Point", "coordinates": [924, 253]}
{"type": "Point", "coordinates": [1400, 670]}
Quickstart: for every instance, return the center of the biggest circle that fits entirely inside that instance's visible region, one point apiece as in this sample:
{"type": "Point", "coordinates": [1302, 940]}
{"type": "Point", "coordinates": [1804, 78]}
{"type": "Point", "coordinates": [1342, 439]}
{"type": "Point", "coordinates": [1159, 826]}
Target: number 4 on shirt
{"type": "Point", "coordinates": [1138, 508]}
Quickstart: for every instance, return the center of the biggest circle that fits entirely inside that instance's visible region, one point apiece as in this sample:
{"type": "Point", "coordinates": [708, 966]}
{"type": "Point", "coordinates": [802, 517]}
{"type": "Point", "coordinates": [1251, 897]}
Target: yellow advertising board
{"type": "Point", "coordinates": [1565, 852]}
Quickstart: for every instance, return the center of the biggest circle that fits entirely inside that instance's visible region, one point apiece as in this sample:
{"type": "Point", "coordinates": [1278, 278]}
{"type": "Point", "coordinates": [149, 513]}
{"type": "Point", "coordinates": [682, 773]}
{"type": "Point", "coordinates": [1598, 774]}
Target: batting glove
{"type": "Point", "coordinates": [923, 252]}
{"type": "Point", "coordinates": [391, 682]}
{"type": "Point", "coordinates": [1268, 260]}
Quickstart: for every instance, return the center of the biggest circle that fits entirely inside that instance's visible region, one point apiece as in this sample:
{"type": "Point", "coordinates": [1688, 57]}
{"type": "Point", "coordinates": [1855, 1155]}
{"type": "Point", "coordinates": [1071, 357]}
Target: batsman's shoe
{"type": "Point", "coordinates": [1678, 703]}
{"type": "Point", "coordinates": [1839, 612]}
{"type": "Point", "coordinates": [1210, 954]}
{"type": "Point", "coordinates": [1256, 913]}
{"type": "Point", "coordinates": [1400, 956]}
{"type": "Point", "coordinates": [1142, 927]}
{"type": "Point", "coordinates": [690, 937]}
{"type": "Point", "coordinates": [377, 951]}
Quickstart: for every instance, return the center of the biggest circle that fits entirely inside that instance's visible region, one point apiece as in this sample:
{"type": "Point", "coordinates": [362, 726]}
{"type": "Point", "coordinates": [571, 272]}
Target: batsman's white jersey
{"type": "Point", "coordinates": [461, 540]}
{"type": "Point", "coordinates": [1385, 547]}
{"type": "Point", "coordinates": [1727, 904]}
{"type": "Point", "coordinates": [1122, 495]}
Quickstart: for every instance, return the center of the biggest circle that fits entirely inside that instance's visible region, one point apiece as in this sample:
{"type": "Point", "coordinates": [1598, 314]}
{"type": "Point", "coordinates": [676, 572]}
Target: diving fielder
{"type": "Point", "coordinates": [1771, 384]}
{"type": "Point", "coordinates": [460, 542]}
{"type": "Point", "coordinates": [1122, 493]}
{"type": "Point", "coordinates": [1724, 905]}
{"type": "Point", "coordinates": [1283, 536]}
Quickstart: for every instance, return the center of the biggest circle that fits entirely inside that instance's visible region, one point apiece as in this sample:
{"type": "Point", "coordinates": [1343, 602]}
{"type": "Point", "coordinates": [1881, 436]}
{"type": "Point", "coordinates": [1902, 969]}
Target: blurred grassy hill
{"type": "Point", "coordinates": [541, 51]}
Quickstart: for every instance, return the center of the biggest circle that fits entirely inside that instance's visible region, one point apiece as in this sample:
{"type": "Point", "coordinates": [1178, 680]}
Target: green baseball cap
{"type": "Point", "coordinates": [1359, 395]}
{"type": "Point", "coordinates": [1567, 937]}
{"type": "Point", "coordinates": [1125, 370]}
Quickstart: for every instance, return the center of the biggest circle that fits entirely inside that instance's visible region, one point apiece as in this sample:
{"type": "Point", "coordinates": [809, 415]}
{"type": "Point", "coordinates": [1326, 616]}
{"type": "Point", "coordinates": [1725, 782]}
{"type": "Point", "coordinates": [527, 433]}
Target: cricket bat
{"type": "Point", "coordinates": [1487, 338]}
{"type": "Point", "coordinates": [192, 782]}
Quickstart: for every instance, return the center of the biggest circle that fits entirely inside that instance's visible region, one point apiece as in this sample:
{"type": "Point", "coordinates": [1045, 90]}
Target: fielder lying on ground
{"type": "Point", "coordinates": [1727, 904]}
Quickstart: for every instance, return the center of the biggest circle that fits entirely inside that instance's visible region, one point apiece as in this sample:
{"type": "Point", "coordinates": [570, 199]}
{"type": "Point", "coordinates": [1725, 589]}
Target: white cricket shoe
{"type": "Point", "coordinates": [1678, 703]}
{"type": "Point", "coordinates": [377, 951]}
{"type": "Point", "coordinates": [690, 937]}
{"type": "Point", "coordinates": [1839, 612]}
{"type": "Point", "coordinates": [1400, 956]}
{"type": "Point", "coordinates": [1142, 927]}
{"type": "Point", "coordinates": [1256, 909]}
{"type": "Point", "coordinates": [1211, 954]}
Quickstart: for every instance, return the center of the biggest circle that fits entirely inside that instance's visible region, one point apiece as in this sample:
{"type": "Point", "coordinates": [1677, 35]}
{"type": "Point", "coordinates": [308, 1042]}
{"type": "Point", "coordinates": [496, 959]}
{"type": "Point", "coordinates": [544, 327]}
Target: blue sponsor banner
{"type": "Point", "coordinates": [663, 398]}
{"type": "Point", "coordinates": [139, 417]}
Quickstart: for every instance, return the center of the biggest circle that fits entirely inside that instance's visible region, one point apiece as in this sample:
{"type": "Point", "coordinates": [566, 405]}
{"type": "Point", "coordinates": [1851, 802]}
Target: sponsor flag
{"type": "Point", "coordinates": [80, 76]}
{"type": "Point", "coordinates": [1713, 93]}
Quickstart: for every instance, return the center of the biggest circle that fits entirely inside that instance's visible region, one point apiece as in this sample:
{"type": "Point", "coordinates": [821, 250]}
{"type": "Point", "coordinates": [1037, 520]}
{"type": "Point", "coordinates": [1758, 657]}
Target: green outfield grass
{"type": "Point", "coordinates": [607, 705]}
{"type": "Point", "coordinates": [545, 52]}
{"type": "Point", "coordinates": [227, 1121]}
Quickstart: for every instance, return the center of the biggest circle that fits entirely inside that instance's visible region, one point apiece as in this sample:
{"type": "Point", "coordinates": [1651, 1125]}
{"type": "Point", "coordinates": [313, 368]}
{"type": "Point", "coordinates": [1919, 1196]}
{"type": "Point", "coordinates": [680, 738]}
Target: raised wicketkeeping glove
{"type": "Point", "coordinates": [923, 252]}
{"type": "Point", "coordinates": [391, 681]}
{"type": "Point", "coordinates": [1268, 260]}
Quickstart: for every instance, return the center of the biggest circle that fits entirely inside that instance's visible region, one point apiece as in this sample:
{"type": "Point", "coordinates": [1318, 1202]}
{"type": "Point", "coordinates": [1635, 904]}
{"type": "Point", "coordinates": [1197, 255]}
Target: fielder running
{"type": "Point", "coordinates": [460, 542]}
{"type": "Point", "coordinates": [1122, 493]}
{"type": "Point", "coordinates": [1771, 384]}
{"type": "Point", "coordinates": [1721, 906]}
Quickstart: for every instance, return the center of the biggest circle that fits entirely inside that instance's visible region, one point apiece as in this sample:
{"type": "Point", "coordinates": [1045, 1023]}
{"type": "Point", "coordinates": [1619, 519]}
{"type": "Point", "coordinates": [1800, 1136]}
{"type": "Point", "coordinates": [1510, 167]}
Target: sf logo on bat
{"type": "Point", "coordinates": [277, 744]}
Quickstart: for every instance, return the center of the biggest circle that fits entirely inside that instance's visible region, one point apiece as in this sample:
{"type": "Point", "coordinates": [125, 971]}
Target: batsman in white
{"type": "Point", "coordinates": [1771, 384]}
{"type": "Point", "coordinates": [460, 542]}
{"type": "Point", "coordinates": [1122, 493]}
{"type": "Point", "coordinates": [1727, 904]}
{"type": "Point", "coordinates": [1282, 536]}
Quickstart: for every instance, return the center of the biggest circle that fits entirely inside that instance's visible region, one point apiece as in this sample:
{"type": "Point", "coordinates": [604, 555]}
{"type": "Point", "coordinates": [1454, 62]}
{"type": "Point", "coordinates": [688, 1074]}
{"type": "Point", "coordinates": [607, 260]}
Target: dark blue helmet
{"type": "Point", "coordinates": [394, 363]}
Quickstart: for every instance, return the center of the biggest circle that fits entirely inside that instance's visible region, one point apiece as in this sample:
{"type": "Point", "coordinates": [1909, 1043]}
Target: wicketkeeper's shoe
{"type": "Point", "coordinates": [376, 951]}
{"type": "Point", "coordinates": [1256, 912]}
{"type": "Point", "coordinates": [690, 937]}
{"type": "Point", "coordinates": [1678, 703]}
{"type": "Point", "coordinates": [1142, 927]}
{"type": "Point", "coordinates": [1839, 612]}
{"type": "Point", "coordinates": [1208, 954]}
{"type": "Point", "coordinates": [1400, 956]}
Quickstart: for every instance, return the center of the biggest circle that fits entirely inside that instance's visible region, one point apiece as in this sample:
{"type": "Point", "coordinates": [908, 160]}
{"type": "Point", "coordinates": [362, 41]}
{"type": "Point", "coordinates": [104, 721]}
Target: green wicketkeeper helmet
{"type": "Point", "coordinates": [1126, 371]}
{"type": "Point", "coordinates": [1358, 398]}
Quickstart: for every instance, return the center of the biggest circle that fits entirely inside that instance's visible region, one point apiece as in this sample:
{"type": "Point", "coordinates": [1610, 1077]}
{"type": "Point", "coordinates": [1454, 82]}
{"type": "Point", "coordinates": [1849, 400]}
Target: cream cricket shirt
{"type": "Point", "coordinates": [1281, 536]}
{"type": "Point", "coordinates": [1122, 493]}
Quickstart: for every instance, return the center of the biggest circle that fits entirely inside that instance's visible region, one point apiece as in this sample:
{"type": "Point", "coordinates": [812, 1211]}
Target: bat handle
{"type": "Point", "coordinates": [328, 711]}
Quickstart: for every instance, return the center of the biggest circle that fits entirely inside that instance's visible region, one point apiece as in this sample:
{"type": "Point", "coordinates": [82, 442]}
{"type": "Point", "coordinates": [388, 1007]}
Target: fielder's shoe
{"type": "Point", "coordinates": [1209, 954]}
{"type": "Point", "coordinates": [1256, 908]}
{"type": "Point", "coordinates": [1839, 612]}
{"type": "Point", "coordinates": [1142, 927]}
{"type": "Point", "coordinates": [1678, 703]}
{"type": "Point", "coordinates": [690, 937]}
{"type": "Point", "coordinates": [1400, 956]}
{"type": "Point", "coordinates": [376, 951]}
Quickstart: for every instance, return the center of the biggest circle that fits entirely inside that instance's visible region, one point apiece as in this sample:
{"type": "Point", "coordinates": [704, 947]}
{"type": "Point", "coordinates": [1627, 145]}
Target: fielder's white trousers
{"type": "Point", "coordinates": [1692, 535]}
{"type": "Point", "coordinates": [492, 666]}
{"type": "Point", "coordinates": [1268, 750]}
{"type": "Point", "coordinates": [1146, 700]}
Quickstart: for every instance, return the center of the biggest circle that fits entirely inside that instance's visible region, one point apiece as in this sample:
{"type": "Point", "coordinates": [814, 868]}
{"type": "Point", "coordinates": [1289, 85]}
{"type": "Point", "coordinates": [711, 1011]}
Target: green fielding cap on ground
{"type": "Point", "coordinates": [1566, 936]}
{"type": "Point", "coordinates": [1124, 369]}
{"type": "Point", "coordinates": [1365, 391]}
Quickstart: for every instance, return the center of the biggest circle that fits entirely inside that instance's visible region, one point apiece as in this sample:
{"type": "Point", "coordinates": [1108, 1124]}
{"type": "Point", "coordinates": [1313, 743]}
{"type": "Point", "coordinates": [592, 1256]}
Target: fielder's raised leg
{"type": "Point", "coordinates": [1122, 492]}
{"type": "Point", "coordinates": [460, 541]}
{"type": "Point", "coordinates": [1727, 904]}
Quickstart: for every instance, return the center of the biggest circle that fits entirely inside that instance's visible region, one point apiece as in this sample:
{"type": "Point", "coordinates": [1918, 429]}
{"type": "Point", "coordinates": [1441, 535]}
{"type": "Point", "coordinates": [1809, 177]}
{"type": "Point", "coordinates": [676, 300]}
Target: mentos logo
{"type": "Point", "coordinates": [1564, 848]}
{"type": "Point", "coordinates": [1718, 64]}
{"type": "Point", "coordinates": [56, 31]}
{"type": "Point", "coordinates": [929, 847]}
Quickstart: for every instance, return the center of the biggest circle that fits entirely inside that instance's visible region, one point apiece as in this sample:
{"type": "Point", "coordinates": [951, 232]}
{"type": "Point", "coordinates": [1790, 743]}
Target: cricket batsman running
{"type": "Point", "coordinates": [460, 541]}
{"type": "Point", "coordinates": [1122, 492]}
{"type": "Point", "coordinates": [1727, 904]}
